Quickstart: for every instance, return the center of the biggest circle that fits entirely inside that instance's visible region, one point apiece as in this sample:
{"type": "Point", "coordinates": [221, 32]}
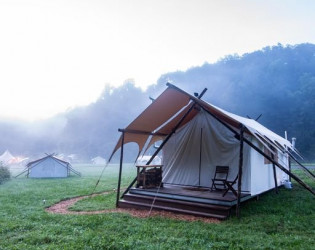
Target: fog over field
{"type": "Point", "coordinates": [276, 82]}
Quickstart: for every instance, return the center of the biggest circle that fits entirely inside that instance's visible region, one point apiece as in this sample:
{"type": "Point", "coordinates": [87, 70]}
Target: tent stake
{"type": "Point", "coordinates": [120, 167]}
{"type": "Point", "coordinates": [240, 172]}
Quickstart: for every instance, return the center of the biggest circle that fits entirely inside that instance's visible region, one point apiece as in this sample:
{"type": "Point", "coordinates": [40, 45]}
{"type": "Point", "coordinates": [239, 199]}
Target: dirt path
{"type": "Point", "coordinates": [62, 207]}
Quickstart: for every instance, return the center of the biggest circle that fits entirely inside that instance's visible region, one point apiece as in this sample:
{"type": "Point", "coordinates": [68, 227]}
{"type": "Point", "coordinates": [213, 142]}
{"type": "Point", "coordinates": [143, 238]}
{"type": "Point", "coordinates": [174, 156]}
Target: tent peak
{"type": "Point", "coordinates": [191, 96]}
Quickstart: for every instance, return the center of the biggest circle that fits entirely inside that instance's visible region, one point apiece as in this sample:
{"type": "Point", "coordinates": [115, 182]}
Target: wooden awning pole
{"type": "Point", "coordinates": [274, 174]}
{"type": "Point", "coordinates": [120, 166]}
{"type": "Point", "coordinates": [240, 172]}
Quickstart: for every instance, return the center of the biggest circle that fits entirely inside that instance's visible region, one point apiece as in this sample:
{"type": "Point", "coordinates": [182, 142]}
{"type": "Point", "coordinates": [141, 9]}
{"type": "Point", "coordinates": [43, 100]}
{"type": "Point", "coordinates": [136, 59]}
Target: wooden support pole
{"type": "Point", "coordinates": [240, 172]}
{"type": "Point", "coordinates": [120, 167]}
{"type": "Point", "coordinates": [274, 174]}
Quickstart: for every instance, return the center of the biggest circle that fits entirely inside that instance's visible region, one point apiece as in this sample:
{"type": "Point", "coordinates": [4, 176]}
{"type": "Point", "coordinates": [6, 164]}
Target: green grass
{"type": "Point", "coordinates": [284, 221]}
{"type": "Point", "coordinates": [99, 202]}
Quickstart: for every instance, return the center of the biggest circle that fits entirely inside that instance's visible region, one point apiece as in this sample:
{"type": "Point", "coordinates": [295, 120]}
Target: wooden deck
{"type": "Point", "coordinates": [181, 199]}
{"type": "Point", "coordinates": [192, 194]}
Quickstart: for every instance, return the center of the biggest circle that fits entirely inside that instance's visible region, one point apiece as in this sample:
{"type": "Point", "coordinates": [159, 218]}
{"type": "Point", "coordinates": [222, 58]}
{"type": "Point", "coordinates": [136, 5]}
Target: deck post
{"type": "Point", "coordinates": [240, 170]}
{"type": "Point", "coordinates": [120, 166]}
{"type": "Point", "coordinates": [274, 174]}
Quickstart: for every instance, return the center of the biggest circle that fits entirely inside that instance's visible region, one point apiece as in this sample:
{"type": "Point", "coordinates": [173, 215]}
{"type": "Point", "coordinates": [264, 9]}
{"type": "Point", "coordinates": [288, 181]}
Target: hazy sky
{"type": "Point", "coordinates": [56, 54]}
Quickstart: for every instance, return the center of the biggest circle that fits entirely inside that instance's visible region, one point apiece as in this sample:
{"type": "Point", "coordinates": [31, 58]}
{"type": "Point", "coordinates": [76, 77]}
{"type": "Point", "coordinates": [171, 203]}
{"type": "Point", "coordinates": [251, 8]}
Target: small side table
{"type": "Point", "coordinates": [149, 176]}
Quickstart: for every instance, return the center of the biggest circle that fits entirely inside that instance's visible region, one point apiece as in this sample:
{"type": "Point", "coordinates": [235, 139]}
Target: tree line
{"type": "Point", "coordinates": [276, 83]}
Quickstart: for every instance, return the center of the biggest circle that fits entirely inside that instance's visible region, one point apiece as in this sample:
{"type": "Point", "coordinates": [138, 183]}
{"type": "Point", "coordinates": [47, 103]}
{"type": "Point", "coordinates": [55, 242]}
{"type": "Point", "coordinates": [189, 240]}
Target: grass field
{"type": "Point", "coordinates": [284, 221]}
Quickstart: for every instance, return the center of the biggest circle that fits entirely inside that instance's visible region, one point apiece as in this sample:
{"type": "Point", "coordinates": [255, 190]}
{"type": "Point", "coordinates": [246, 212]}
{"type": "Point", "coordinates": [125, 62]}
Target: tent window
{"type": "Point", "coordinates": [267, 152]}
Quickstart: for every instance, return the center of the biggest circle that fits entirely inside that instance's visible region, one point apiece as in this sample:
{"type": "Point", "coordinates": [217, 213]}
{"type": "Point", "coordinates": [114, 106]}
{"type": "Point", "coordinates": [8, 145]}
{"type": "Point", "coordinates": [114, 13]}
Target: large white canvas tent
{"type": "Point", "coordinates": [197, 136]}
{"type": "Point", "coordinates": [49, 167]}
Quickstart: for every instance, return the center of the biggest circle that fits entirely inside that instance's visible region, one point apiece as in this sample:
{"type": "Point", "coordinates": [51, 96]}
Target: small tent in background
{"type": "Point", "coordinates": [6, 158]}
{"type": "Point", "coordinates": [49, 167]}
{"type": "Point", "coordinates": [142, 160]}
{"type": "Point", "coordinates": [98, 160]}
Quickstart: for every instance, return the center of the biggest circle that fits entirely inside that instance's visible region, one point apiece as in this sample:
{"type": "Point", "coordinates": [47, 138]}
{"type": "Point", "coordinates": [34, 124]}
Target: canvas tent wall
{"type": "Point", "coordinates": [193, 152]}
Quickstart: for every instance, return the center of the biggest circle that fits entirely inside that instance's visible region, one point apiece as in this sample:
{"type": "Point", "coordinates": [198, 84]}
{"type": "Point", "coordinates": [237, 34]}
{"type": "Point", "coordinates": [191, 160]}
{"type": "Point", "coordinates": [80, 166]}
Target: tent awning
{"type": "Point", "coordinates": [161, 116]}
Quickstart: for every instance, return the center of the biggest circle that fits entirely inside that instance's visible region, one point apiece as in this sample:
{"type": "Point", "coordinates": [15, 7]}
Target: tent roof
{"type": "Point", "coordinates": [161, 116]}
{"type": "Point", "coordinates": [47, 157]}
{"type": "Point", "coordinates": [7, 157]}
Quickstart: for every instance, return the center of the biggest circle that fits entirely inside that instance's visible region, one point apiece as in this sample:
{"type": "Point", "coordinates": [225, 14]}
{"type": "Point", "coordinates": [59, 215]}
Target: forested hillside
{"type": "Point", "coordinates": [277, 82]}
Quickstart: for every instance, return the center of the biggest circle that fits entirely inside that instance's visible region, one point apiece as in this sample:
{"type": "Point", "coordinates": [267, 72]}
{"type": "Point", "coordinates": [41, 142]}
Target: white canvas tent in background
{"type": "Point", "coordinates": [49, 167]}
{"type": "Point", "coordinates": [197, 136]}
{"type": "Point", "coordinates": [98, 160]}
{"type": "Point", "coordinates": [6, 158]}
{"type": "Point", "coordinates": [142, 160]}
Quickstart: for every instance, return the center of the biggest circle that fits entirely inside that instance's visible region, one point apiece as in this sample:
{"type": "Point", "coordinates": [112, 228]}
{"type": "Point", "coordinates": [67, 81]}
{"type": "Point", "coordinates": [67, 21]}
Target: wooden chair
{"type": "Point", "coordinates": [229, 185]}
{"type": "Point", "coordinates": [220, 178]}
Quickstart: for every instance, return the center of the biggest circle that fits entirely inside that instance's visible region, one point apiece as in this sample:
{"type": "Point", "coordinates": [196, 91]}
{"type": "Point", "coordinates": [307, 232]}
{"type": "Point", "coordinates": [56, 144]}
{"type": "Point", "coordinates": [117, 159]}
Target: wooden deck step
{"type": "Point", "coordinates": [175, 205]}
{"type": "Point", "coordinates": [181, 204]}
{"type": "Point", "coordinates": [140, 205]}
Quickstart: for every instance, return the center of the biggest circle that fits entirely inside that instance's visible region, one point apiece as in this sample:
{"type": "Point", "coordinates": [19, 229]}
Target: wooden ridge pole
{"type": "Point", "coordinates": [120, 167]}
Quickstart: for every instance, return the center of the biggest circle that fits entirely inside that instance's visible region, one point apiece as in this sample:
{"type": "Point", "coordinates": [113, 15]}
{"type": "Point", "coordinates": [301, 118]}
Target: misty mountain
{"type": "Point", "coordinates": [276, 82]}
